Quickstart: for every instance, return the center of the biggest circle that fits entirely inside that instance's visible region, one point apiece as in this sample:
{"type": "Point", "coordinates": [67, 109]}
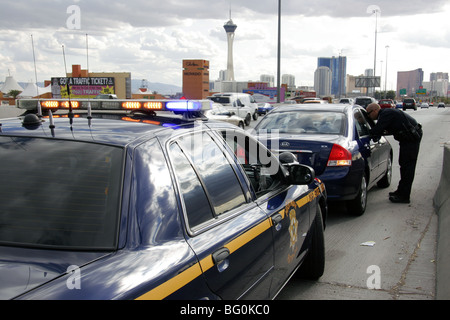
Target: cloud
{"type": "Point", "coordinates": [150, 38]}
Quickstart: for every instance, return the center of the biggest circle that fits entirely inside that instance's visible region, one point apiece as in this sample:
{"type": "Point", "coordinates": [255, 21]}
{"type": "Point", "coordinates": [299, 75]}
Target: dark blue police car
{"type": "Point", "coordinates": [135, 203]}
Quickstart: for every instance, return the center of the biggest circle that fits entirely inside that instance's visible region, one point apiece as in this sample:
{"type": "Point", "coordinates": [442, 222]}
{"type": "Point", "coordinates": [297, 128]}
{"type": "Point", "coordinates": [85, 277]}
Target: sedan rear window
{"type": "Point", "coordinates": [59, 194]}
{"type": "Point", "coordinates": [304, 122]}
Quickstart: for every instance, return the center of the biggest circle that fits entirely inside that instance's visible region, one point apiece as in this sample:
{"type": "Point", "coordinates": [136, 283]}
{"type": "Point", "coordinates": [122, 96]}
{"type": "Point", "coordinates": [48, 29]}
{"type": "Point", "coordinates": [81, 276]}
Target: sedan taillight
{"type": "Point", "coordinates": [339, 156]}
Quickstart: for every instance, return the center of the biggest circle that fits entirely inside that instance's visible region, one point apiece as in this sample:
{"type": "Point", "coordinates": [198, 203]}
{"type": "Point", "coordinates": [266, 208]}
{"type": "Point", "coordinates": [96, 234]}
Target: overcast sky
{"type": "Point", "coordinates": [150, 38]}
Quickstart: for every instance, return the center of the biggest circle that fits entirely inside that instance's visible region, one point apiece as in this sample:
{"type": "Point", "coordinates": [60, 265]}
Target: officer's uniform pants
{"type": "Point", "coordinates": [407, 160]}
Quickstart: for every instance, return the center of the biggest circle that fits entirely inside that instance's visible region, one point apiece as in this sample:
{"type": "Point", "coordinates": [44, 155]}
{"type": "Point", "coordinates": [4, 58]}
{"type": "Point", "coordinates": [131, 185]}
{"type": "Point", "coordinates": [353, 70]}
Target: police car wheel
{"type": "Point", "coordinates": [241, 125]}
{"type": "Point", "coordinates": [314, 264]}
{"type": "Point", "coordinates": [255, 116]}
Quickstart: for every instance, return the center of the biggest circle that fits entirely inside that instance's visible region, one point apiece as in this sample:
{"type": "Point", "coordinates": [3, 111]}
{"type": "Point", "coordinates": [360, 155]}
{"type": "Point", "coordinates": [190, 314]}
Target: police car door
{"type": "Point", "coordinates": [287, 207]}
{"type": "Point", "coordinates": [229, 233]}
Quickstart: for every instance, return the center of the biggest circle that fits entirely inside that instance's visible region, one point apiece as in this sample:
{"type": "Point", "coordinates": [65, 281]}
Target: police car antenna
{"type": "Point", "coordinates": [89, 116]}
{"type": "Point", "coordinates": [35, 75]}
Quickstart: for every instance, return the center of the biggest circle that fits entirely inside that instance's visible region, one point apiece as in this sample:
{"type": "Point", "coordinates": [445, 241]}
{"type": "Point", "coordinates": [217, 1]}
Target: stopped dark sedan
{"type": "Point", "coordinates": [334, 140]}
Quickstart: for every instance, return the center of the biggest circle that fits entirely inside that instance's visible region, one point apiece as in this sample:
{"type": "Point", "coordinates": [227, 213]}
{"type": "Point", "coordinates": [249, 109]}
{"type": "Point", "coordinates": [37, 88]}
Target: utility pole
{"type": "Point", "coordinates": [279, 53]}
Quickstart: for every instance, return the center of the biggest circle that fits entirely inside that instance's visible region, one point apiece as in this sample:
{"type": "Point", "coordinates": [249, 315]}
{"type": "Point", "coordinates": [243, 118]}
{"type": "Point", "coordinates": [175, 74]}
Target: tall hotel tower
{"type": "Point", "coordinates": [230, 27]}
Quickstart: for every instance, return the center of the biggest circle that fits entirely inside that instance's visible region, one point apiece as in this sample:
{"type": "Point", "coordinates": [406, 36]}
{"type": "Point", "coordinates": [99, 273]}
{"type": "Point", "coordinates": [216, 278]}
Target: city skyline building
{"type": "Point", "coordinates": [434, 76]}
{"type": "Point", "coordinates": [230, 28]}
{"type": "Point", "coordinates": [289, 80]}
{"type": "Point", "coordinates": [270, 79]}
{"type": "Point", "coordinates": [195, 78]}
{"type": "Point", "coordinates": [408, 82]}
{"type": "Point", "coordinates": [338, 67]}
{"type": "Point", "coordinates": [322, 81]}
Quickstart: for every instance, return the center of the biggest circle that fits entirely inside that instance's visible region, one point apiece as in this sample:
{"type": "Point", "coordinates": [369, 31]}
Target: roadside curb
{"type": "Point", "coordinates": [442, 206]}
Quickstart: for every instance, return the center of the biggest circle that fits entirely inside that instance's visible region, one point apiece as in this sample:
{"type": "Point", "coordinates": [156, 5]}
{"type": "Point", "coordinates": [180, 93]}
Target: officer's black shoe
{"type": "Point", "coordinates": [391, 194]}
{"type": "Point", "coordinates": [399, 199]}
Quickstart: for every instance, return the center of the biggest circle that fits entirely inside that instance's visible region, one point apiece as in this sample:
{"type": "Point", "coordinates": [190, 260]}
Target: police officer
{"type": "Point", "coordinates": [408, 133]}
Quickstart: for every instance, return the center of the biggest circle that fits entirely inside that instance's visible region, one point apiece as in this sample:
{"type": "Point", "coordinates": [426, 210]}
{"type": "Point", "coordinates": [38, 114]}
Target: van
{"type": "Point", "coordinates": [235, 101]}
{"type": "Point", "coordinates": [409, 103]}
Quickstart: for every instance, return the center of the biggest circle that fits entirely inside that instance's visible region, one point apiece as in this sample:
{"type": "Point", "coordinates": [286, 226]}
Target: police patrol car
{"type": "Point", "coordinates": [149, 200]}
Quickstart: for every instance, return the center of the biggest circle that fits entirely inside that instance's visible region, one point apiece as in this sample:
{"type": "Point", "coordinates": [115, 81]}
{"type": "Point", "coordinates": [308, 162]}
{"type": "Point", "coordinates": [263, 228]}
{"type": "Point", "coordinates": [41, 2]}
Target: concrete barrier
{"type": "Point", "coordinates": [442, 205]}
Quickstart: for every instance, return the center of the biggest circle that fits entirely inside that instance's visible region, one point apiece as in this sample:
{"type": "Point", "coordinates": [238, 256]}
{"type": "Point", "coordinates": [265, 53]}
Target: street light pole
{"type": "Point", "coordinates": [279, 53]}
{"type": "Point", "coordinates": [375, 53]}
{"type": "Point", "coordinates": [385, 76]}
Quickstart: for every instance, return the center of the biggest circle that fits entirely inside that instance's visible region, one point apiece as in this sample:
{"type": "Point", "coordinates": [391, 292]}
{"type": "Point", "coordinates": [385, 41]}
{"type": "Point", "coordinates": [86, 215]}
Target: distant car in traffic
{"type": "Point", "coordinates": [386, 103]}
{"type": "Point", "coordinates": [424, 105]}
{"type": "Point", "coordinates": [346, 100]}
{"type": "Point", "coordinates": [237, 100]}
{"type": "Point", "coordinates": [441, 105]}
{"type": "Point", "coordinates": [218, 112]}
{"type": "Point", "coordinates": [364, 101]}
{"type": "Point", "coordinates": [334, 140]}
{"type": "Point", "coordinates": [320, 101]}
{"type": "Point", "coordinates": [409, 103]}
{"type": "Point", "coordinates": [264, 107]}
{"type": "Point", "coordinates": [106, 96]}
{"type": "Point", "coordinates": [233, 103]}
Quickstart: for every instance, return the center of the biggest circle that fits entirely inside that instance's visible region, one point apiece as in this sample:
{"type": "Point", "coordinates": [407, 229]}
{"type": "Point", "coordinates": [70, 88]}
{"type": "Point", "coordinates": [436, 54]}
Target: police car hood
{"type": "Point", "coordinates": [22, 270]}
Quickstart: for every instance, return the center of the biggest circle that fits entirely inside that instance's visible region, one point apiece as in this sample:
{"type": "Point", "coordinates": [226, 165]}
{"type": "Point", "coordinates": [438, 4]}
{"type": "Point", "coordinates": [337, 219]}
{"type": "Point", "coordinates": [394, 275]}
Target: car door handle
{"type": "Point", "coordinates": [276, 219]}
{"type": "Point", "coordinates": [220, 255]}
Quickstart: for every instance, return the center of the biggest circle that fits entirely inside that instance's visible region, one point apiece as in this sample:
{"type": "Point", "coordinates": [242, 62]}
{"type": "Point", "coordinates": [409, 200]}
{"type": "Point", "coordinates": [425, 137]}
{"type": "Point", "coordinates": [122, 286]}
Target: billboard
{"type": "Point", "coordinates": [367, 82]}
{"type": "Point", "coordinates": [88, 87]}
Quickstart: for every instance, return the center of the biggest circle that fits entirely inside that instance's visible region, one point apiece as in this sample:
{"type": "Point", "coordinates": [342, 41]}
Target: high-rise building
{"type": "Point", "coordinates": [230, 27]}
{"type": "Point", "coordinates": [434, 76]}
{"type": "Point", "coordinates": [338, 67]}
{"type": "Point", "coordinates": [195, 79]}
{"type": "Point", "coordinates": [408, 82]}
{"type": "Point", "coordinates": [322, 81]}
{"type": "Point", "coordinates": [270, 79]}
{"type": "Point", "coordinates": [289, 80]}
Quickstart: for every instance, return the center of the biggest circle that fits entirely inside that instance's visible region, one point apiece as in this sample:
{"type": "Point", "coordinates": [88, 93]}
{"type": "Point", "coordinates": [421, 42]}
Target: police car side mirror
{"type": "Point", "coordinates": [300, 174]}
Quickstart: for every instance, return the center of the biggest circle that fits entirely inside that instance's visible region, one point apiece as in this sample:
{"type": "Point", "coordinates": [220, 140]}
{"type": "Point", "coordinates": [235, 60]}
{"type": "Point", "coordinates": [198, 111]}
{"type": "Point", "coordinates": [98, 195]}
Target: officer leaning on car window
{"type": "Point", "coordinates": [408, 133]}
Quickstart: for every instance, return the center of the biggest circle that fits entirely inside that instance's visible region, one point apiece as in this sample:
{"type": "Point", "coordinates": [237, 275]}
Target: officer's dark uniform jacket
{"type": "Point", "coordinates": [394, 122]}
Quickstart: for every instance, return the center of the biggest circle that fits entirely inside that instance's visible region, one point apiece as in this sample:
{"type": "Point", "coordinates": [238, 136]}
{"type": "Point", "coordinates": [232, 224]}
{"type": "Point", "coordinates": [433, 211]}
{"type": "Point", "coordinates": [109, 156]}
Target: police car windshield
{"type": "Point", "coordinates": [59, 194]}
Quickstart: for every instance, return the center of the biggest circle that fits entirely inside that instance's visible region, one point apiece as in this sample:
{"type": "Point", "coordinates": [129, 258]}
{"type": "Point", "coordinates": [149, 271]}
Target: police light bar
{"type": "Point", "coordinates": [177, 106]}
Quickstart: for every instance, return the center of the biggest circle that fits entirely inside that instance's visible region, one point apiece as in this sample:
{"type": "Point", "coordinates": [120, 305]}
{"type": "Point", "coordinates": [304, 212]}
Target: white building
{"type": "Point", "coordinates": [270, 79]}
{"type": "Point", "coordinates": [436, 88]}
{"type": "Point", "coordinates": [288, 79]}
{"type": "Point", "coordinates": [322, 81]}
{"type": "Point", "coordinates": [10, 84]}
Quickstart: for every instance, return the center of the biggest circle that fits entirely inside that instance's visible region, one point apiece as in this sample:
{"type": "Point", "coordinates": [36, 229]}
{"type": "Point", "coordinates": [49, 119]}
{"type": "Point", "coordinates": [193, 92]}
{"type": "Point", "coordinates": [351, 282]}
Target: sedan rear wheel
{"type": "Point", "coordinates": [358, 205]}
{"type": "Point", "coordinates": [386, 180]}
